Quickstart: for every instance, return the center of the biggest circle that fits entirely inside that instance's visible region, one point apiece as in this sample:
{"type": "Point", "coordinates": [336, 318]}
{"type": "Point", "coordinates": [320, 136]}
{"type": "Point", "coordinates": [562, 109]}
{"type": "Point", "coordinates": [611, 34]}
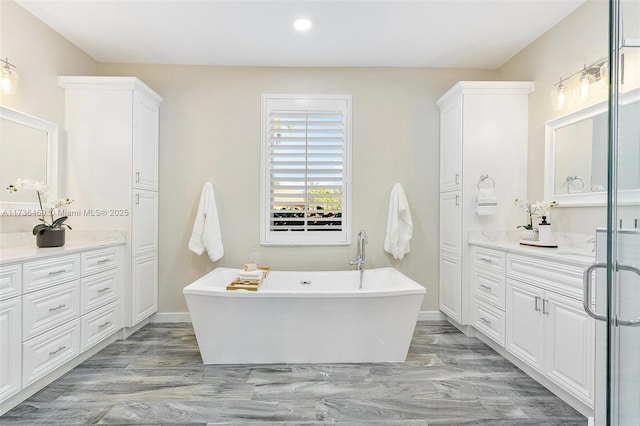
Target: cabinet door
{"type": "Point", "coordinates": [451, 145]}
{"type": "Point", "coordinates": [569, 346]}
{"type": "Point", "coordinates": [525, 323]}
{"type": "Point", "coordinates": [10, 347]}
{"type": "Point", "coordinates": [144, 232]}
{"type": "Point", "coordinates": [145, 142]}
{"type": "Point", "coordinates": [450, 289]}
{"type": "Point", "coordinates": [144, 283]}
{"type": "Point", "coordinates": [450, 222]}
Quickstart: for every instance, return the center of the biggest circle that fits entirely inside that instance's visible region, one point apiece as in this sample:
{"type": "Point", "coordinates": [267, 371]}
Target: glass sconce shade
{"type": "Point", "coordinates": [558, 96]}
{"type": "Point", "coordinates": [8, 78]}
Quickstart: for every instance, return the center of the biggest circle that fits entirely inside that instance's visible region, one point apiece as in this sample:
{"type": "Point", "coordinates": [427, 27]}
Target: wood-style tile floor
{"type": "Point", "coordinates": [157, 377]}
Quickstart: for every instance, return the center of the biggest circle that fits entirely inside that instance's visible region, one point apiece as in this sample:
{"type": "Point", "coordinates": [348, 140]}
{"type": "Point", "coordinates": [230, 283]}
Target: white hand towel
{"type": "Point", "coordinates": [399, 224]}
{"type": "Point", "coordinates": [206, 233]}
{"type": "Point", "coordinates": [251, 275]}
{"type": "Point", "coordinates": [487, 196]}
{"type": "Point", "coordinates": [487, 202]}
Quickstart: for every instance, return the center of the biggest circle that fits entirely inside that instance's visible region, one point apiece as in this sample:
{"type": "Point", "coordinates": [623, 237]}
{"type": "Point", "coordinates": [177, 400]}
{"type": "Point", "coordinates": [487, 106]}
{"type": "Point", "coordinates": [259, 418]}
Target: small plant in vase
{"type": "Point", "coordinates": [48, 233]}
{"type": "Point", "coordinates": [539, 208]}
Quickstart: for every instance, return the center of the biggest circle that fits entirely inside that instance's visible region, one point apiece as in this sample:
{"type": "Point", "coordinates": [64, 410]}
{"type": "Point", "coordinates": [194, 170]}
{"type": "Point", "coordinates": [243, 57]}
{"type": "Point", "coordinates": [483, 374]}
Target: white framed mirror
{"type": "Point", "coordinates": [28, 149]}
{"type": "Point", "coordinates": [576, 148]}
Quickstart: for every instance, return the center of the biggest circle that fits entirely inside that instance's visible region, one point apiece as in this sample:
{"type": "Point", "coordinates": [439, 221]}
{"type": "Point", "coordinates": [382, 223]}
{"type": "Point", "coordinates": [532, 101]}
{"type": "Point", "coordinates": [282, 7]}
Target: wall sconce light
{"type": "Point", "coordinates": [558, 96]}
{"type": "Point", "coordinates": [8, 78]}
{"type": "Point", "coordinates": [579, 84]}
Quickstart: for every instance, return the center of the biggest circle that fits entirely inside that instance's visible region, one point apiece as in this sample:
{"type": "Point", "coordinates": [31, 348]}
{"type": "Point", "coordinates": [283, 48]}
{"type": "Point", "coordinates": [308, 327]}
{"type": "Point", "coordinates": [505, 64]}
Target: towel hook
{"type": "Point", "coordinates": [486, 178]}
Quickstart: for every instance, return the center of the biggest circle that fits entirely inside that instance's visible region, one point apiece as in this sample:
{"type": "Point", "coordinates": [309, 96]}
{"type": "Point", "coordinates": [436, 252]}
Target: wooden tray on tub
{"type": "Point", "coordinates": [239, 284]}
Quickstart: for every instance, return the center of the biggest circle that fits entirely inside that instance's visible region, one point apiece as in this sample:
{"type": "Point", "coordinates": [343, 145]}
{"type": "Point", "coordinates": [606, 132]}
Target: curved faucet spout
{"type": "Point", "coordinates": [360, 253]}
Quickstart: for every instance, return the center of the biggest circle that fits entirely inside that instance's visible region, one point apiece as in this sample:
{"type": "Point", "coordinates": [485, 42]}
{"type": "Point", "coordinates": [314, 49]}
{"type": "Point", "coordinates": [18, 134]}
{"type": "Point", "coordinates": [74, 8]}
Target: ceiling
{"type": "Point", "coordinates": [382, 33]}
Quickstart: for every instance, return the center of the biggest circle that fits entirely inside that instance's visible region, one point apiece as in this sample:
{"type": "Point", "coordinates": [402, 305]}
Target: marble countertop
{"type": "Point", "coordinates": [17, 247]}
{"type": "Point", "coordinates": [572, 248]}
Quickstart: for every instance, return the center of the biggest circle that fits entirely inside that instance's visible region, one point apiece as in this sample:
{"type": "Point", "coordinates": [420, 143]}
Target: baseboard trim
{"type": "Point", "coordinates": [429, 316]}
{"type": "Point", "coordinates": [432, 316]}
{"type": "Point", "coordinates": [171, 317]}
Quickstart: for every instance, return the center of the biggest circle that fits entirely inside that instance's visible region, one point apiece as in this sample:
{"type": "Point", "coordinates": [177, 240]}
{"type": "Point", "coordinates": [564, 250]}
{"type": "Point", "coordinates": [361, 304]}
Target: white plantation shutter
{"type": "Point", "coordinates": [306, 168]}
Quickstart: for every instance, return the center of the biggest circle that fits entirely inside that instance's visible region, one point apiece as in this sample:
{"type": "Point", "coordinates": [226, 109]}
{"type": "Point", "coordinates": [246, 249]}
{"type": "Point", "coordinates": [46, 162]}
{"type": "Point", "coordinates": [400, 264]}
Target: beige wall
{"type": "Point", "coordinates": [579, 39]}
{"type": "Point", "coordinates": [210, 131]}
{"type": "Point", "coordinates": [40, 55]}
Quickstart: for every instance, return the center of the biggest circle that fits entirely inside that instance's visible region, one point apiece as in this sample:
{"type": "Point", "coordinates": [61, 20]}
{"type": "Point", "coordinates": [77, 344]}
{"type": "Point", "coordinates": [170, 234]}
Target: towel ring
{"type": "Point", "coordinates": [571, 180]}
{"type": "Point", "coordinates": [488, 178]}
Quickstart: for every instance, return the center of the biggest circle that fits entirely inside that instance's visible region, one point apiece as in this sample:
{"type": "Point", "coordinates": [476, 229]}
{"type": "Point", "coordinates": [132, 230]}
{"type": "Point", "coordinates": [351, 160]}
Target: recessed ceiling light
{"type": "Point", "coordinates": [302, 24]}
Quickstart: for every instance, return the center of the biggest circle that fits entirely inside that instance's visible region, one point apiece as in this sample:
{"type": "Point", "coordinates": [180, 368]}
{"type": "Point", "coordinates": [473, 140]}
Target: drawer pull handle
{"type": "Point", "coordinates": [58, 272]}
{"type": "Point", "coordinates": [57, 308]}
{"type": "Point", "coordinates": [100, 327]}
{"type": "Point", "coordinates": [102, 290]}
{"type": "Point", "coordinates": [486, 287]}
{"type": "Point", "coordinates": [484, 320]}
{"type": "Point", "coordinates": [102, 261]}
{"type": "Point", "coordinates": [61, 348]}
{"type": "Point", "coordinates": [544, 306]}
{"type": "Point", "coordinates": [536, 307]}
{"type": "Point", "coordinates": [485, 260]}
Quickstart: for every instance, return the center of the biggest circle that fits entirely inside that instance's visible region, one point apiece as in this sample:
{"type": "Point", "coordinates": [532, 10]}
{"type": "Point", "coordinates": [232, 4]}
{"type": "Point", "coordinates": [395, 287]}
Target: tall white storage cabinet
{"type": "Point", "coordinates": [483, 131]}
{"type": "Point", "coordinates": [111, 126]}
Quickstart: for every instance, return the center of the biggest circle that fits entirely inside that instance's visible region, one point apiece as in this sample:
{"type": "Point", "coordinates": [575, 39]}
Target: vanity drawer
{"type": "Point", "coordinates": [45, 273]}
{"type": "Point", "coordinates": [492, 260]}
{"type": "Point", "coordinates": [10, 281]}
{"type": "Point", "coordinates": [489, 287]}
{"type": "Point", "coordinates": [49, 351]}
{"type": "Point", "coordinates": [558, 276]}
{"type": "Point", "coordinates": [98, 261]}
{"type": "Point", "coordinates": [98, 325]}
{"type": "Point", "coordinates": [489, 320]}
{"type": "Point", "coordinates": [48, 308]}
{"type": "Point", "coordinates": [98, 290]}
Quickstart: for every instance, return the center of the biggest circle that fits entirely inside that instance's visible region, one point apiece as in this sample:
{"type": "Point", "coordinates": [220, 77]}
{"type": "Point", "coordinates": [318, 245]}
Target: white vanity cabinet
{"type": "Point", "coordinates": [10, 343]}
{"type": "Point", "coordinates": [487, 282]}
{"type": "Point", "coordinates": [481, 124]}
{"type": "Point", "coordinates": [112, 126]}
{"type": "Point", "coordinates": [547, 326]}
{"type": "Point", "coordinates": [59, 306]}
{"type": "Point", "coordinates": [527, 304]}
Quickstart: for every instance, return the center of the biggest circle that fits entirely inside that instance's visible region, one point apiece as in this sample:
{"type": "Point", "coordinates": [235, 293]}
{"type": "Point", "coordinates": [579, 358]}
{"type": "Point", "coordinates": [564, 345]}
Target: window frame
{"type": "Point", "coordinates": [304, 238]}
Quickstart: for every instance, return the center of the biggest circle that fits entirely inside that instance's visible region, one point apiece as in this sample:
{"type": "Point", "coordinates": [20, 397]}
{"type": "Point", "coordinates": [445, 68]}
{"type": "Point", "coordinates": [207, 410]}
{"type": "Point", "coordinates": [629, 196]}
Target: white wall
{"type": "Point", "coordinates": [40, 55]}
{"type": "Point", "coordinates": [578, 40]}
{"type": "Point", "coordinates": [210, 131]}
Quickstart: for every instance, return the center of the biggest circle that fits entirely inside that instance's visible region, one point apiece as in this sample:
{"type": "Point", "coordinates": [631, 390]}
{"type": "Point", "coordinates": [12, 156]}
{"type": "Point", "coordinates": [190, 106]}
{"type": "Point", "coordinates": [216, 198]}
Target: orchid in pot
{"type": "Point", "coordinates": [538, 209]}
{"type": "Point", "coordinates": [50, 232]}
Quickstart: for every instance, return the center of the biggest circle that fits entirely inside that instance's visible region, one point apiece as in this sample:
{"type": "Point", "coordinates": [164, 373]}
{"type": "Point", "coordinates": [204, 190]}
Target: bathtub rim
{"type": "Point", "coordinates": [200, 287]}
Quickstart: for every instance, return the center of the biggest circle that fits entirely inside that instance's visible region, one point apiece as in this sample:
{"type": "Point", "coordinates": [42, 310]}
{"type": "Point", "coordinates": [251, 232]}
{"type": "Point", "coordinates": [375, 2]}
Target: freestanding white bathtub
{"type": "Point", "coordinates": [326, 319]}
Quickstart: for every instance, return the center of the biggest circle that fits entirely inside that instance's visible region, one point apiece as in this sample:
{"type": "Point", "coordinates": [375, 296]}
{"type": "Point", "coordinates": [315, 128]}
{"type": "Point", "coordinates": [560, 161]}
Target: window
{"type": "Point", "coordinates": [306, 166]}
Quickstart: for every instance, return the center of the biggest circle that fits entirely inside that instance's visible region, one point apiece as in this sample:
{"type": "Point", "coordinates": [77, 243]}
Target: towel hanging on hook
{"type": "Point", "coordinates": [487, 202]}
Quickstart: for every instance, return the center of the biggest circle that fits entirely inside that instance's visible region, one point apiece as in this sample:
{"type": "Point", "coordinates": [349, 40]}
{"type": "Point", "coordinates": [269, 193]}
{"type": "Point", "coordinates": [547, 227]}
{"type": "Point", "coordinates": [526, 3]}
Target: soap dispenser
{"type": "Point", "coordinates": [544, 231]}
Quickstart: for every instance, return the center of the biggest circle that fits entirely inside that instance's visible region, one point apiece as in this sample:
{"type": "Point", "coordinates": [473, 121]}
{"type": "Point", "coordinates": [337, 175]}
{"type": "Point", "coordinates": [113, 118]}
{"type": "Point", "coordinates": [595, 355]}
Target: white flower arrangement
{"type": "Point", "coordinates": [539, 208]}
{"type": "Point", "coordinates": [46, 208]}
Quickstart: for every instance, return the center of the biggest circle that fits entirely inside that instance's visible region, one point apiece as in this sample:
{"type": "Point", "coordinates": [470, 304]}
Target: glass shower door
{"type": "Point", "coordinates": [623, 235]}
{"type": "Point", "coordinates": [617, 293]}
